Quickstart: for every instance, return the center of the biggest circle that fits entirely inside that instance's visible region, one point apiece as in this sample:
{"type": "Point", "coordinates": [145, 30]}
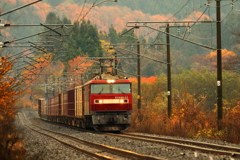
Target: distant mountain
{"type": "Point", "coordinates": [104, 15]}
{"type": "Point", "coordinates": [118, 14]}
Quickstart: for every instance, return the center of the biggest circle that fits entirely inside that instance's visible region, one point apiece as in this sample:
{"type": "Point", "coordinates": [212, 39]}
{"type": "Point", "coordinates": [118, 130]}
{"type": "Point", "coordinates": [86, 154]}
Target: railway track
{"type": "Point", "coordinates": [186, 144]}
{"type": "Point", "coordinates": [107, 152]}
{"type": "Point", "coordinates": [180, 143]}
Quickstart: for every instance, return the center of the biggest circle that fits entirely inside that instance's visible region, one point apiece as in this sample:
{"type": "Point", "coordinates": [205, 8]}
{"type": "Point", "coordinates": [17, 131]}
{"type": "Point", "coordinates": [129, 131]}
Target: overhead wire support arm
{"type": "Point", "coordinates": [21, 52]}
{"type": "Point", "coordinates": [3, 43]}
{"type": "Point", "coordinates": [41, 49]}
{"type": "Point", "coordinates": [30, 64]}
{"type": "Point", "coordinates": [15, 67]}
{"type": "Point", "coordinates": [31, 46]}
{"type": "Point", "coordinates": [103, 2]}
{"type": "Point", "coordinates": [18, 57]}
{"type": "Point", "coordinates": [125, 72]}
{"type": "Point", "coordinates": [41, 45]}
{"type": "Point", "coordinates": [132, 44]}
{"type": "Point", "coordinates": [144, 23]}
{"type": "Point", "coordinates": [19, 8]}
{"type": "Point", "coordinates": [35, 42]}
{"type": "Point", "coordinates": [29, 70]}
{"type": "Point", "coordinates": [208, 47]}
{"type": "Point", "coordinates": [133, 27]}
{"type": "Point", "coordinates": [50, 29]}
{"type": "Point", "coordinates": [35, 25]}
{"type": "Point", "coordinates": [141, 55]}
{"type": "Point", "coordinates": [33, 59]}
{"type": "Point", "coordinates": [30, 25]}
{"type": "Point", "coordinates": [33, 35]}
{"type": "Point", "coordinates": [57, 35]}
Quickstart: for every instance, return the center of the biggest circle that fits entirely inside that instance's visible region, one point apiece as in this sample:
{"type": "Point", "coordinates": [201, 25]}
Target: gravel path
{"type": "Point", "coordinates": [41, 147]}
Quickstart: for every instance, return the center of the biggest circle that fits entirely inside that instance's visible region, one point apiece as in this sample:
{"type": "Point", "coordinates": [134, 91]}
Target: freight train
{"type": "Point", "coordinates": [103, 103]}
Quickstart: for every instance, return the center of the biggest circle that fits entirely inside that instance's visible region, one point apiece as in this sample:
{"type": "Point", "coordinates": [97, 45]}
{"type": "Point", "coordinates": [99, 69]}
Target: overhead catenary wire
{"type": "Point", "coordinates": [79, 20]}
{"type": "Point", "coordinates": [61, 43]}
{"type": "Point", "coordinates": [201, 6]}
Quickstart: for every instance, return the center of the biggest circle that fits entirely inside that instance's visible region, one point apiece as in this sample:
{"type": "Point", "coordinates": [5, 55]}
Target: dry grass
{"type": "Point", "coordinates": [189, 119]}
{"type": "Point", "coordinates": [11, 147]}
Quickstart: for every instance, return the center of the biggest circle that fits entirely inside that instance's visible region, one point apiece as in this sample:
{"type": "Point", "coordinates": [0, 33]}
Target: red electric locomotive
{"type": "Point", "coordinates": [103, 103]}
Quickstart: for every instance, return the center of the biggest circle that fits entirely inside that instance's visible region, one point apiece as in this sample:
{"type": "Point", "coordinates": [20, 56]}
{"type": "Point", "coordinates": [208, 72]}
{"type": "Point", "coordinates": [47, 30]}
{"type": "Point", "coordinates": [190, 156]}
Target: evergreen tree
{"type": "Point", "coordinates": [92, 44]}
{"type": "Point", "coordinates": [66, 21]}
{"type": "Point", "coordinates": [52, 18]}
{"type": "Point", "coordinates": [127, 37]}
{"type": "Point", "coordinates": [230, 28]}
{"type": "Point", "coordinates": [103, 35]}
{"type": "Point", "coordinates": [113, 36]}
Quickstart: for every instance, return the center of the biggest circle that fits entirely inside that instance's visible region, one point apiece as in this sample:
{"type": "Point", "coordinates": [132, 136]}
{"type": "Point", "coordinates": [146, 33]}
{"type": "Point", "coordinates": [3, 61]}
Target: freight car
{"type": "Point", "coordinates": [103, 103]}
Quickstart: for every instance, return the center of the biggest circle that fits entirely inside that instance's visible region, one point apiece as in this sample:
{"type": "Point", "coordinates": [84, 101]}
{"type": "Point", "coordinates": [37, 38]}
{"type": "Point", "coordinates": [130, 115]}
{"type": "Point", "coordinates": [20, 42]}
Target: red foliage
{"type": "Point", "coordinates": [151, 79]}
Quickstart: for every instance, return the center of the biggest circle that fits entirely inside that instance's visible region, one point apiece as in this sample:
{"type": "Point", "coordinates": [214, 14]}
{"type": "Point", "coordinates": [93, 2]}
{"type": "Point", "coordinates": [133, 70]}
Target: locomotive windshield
{"type": "Point", "coordinates": [110, 88]}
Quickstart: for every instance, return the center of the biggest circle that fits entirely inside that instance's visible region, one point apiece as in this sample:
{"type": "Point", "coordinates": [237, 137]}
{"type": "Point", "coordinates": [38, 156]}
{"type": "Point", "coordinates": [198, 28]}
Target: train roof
{"type": "Point", "coordinates": [107, 81]}
{"type": "Point", "coordinates": [108, 78]}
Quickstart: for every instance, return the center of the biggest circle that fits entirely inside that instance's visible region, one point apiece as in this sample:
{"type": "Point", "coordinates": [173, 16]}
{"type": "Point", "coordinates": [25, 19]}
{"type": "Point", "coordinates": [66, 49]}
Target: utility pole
{"type": "Point", "coordinates": [169, 85]}
{"type": "Point", "coordinates": [219, 64]}
{"type": "Point", "coordinates": [187, 25]}
{"type": "Point", "coordinates": [138, 75]}
{"type": "Point", "coordinates": [115, 72]}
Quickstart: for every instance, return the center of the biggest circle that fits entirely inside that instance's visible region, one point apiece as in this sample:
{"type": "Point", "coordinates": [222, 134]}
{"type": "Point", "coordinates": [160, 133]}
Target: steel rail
{"type": "Point", "coordinates": [192, 145]}
{"type": "Point", "coordinates": [96, 155]}
{"type": "Point", "coordinates": [117, 151]}
{"type": "Point", "coordinates": [108, 148]}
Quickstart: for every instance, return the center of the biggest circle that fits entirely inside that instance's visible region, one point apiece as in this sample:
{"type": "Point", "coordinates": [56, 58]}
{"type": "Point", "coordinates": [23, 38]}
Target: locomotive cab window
{"type": "Point", "coordinates": [110, 88]}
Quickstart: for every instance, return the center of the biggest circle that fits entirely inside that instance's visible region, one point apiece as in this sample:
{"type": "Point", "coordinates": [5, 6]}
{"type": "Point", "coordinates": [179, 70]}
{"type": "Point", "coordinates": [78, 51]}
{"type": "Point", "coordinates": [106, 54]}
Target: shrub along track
{"type": "Point", "coordinates": [107, 152]}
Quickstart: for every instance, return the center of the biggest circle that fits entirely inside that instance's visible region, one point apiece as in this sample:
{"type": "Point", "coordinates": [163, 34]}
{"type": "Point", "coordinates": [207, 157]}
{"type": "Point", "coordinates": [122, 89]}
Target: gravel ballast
{"type": "Point", "coordinates": [42, 147]}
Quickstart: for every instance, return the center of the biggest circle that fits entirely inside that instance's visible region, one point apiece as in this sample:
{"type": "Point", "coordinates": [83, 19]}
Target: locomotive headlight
{"type": "Point", "coordinates": [110, 81]}
{"type": "Point", "coordinates": [123, 101]}
{"type": "Point", "coordinates": [98, 101]}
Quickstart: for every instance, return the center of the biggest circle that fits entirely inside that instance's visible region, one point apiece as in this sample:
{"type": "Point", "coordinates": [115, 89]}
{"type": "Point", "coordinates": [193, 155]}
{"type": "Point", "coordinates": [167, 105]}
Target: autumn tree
{"type": "Point", "coordinates": [10, 145]}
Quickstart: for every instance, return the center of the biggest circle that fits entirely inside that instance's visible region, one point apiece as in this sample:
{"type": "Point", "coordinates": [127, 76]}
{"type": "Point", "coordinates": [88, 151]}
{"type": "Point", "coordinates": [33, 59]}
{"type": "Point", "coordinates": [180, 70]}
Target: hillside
{"type": "Point", "coordinates": [103, 16]}
{"type": "Point", "coordinates": [118, 14]}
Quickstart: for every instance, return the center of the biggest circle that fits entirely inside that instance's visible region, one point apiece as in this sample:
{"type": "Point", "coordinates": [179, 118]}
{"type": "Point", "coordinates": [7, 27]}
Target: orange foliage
{"type": "Point", "coordinates": [7, 93]}
{"type": "Point", "coordinates": [78, 62]}
{"type": "Point", "coordinates": [210, 60]}
{"type": "Point", "coordinates": [102, 16]}
{"type": "Point", "coordinates": [231, 124]}
{"type": "Point", "coordinates": [10, 147]}
{"type": "Point", "coordinates": [44, 66]}
{"type": "Point", "coordinates": [117, 16]}
{"type": "Point", "coordinates": [77, 66]}
{"type": "Point", "coordinates": [195, 15]}
{"type": "Point", "coordinates": [151, 79]}
{"type": "Point", "coordinates": [6, 33]}
{"type": "Point", "coordinates": [226, 55]}
{"type": "Point", "coordinates": [42, 10]}
{"type": "Point", "coordinates": [55, 68]}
